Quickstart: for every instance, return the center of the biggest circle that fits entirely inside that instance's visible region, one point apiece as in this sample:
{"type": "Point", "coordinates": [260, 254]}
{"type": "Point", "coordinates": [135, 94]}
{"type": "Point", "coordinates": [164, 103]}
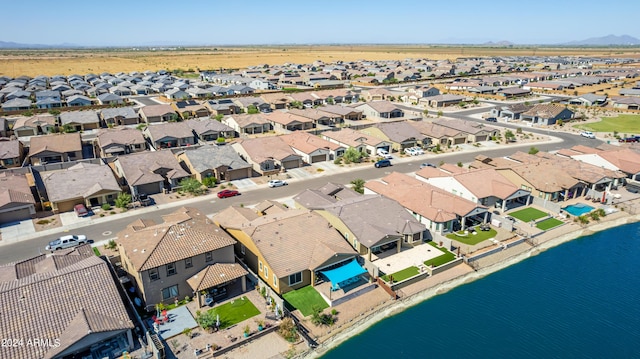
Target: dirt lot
{"type": "Point", "coordinates": [65, 62]}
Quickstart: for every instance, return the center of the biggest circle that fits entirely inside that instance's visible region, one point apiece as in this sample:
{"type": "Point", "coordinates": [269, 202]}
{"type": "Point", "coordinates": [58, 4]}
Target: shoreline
{"type": "Point", "coordinates": [398, 306]}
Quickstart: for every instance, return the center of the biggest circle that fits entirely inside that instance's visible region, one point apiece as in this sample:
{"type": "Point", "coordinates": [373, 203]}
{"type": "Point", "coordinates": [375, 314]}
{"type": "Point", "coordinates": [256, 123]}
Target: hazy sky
{"type": "Point", "coordinates": [200, 22]}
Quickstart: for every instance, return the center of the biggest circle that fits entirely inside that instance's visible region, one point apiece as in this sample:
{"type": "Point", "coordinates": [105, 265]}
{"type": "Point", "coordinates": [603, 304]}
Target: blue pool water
{"type": "Point", "coordinates": [578, 300]}
{"type": "Point", "coordinates": [578, 209]}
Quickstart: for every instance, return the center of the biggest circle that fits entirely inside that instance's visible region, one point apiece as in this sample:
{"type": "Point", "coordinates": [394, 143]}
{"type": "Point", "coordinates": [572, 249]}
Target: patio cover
{"type": "Point", "coordinates": [345, 272]}
{"type": "Point", "coordinates": [216, 274]}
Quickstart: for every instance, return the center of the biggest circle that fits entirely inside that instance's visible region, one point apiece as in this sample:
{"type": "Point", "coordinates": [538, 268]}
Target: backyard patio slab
{"type": "Point", "coordinates": [409, 257]}
{"type": "Point", "coordinates": [179, 319]}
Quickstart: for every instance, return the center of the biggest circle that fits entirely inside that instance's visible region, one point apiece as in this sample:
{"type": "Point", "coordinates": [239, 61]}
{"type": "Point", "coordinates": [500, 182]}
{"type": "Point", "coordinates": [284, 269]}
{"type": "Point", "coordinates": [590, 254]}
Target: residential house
{"type": "Point", "coordinates": [162, 258]}
{"type": "Point", "coordinates": [626, 102]}
{"type": "Point", "coordinates": [16, 104]}
{"type": "Point", "coordinates": [380, 109]}
{"type": "Point", "coordinates": [207, 129]}
{"type": "Point", "coordinates": [190, 109]}
{"type": "Point", "coordinates": [16, 198]}
{"type": "Point", "coordinates": [83, 183]}
{"type": "Point", "coordinates": [377, 94]}
{"type": "Point", "coordinates": [284, 122]}
{"type": "Point", "coordinates": [119, 116]}
{"type": "Point", "coordinates": [48, 102]}
{"type": "Point", "coordinates": [120, 141]}
{"type": "Point", "coordinates": [80, 120]}
{"type": "Point", "coordinates": [364, 143]}
{"type": "Point", "coordinates": [157, 113]}
{"type": "Point", "coordinates": [544, 180]}
{"type": "Point", "coordinates": [178, 94]}
{"type": "Point", "coordinates": [78, 101]}
{"type": "Point", "coordinates": [370, 223]}
{"type": "Point", "coordinates": [401, 134]}
{"type": "Point", "coordinates": [4, 126]}
{"type": "Point", "coordinates": [510, 112]}
{"type": "Point", "coordinates": [248, 124]}
{"type": "Point", "coordinates": [149, 172]}
{"type": "Point", "coordinates": [485, 186]}
{"type": "Point", "coordinates": [277, 101]}
{"type": "Point", "coordinates": [286, 248]}
{"type": "Point", "coordinates": [343, 112]}
{"type": "Point", "coordinates": [513, 92]}
{"type": "Point", "coordinates": [34, 125]}
{"type": "Point", "coordinates": [221, 162]}
{"type": "Point", "coordinates": [169, 135]}
{"type": "Point", "coordinates": [318, 117]}
{"type": "Point", "coordinates": [222, 107]}
{"type": "Point", "coordinates": [546, 114]}
{"type": "Point", "coordinates": [589, 99]}
{"type": "Point", "coordinates": [436, 134]}
{"type": "Point", "coordinates": [476, 132]}
{"type": "Point", "coordinates": [313, 148]}
{"type": "Point", "coordinates": [625, 160]}
{"type": "Point", "coordinates": [442, 100]}
{"type": "Point", "coordinates": [55, 148]}
{"type": "Point", "coordinates": [438, 210]}
{"type": "Point", "coordinates": [77, 325]}
{"type": "Point", "coordinates": [268, 155]}
{"type": "Point", "coordinates": [111, 99]}
{"type": "Point", "coordinates": [11, 153]}
{"type": "Point", "coordinates": [425, 91]}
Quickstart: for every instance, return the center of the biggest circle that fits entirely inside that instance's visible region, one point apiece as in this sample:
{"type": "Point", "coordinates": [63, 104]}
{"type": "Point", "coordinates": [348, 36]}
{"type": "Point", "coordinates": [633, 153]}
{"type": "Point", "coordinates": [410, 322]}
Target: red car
{"type": "Point", "coordinates": [228, 193]}
{"type": "Point", "coordinates": [81, 210]}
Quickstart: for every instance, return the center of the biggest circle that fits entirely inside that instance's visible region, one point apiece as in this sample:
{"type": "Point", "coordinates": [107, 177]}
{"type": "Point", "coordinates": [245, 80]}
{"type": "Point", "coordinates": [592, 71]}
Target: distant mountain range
{"type": "Point", "coordinates": [16, 45]}
{"type": "Point", "coordinates": [609, 40]}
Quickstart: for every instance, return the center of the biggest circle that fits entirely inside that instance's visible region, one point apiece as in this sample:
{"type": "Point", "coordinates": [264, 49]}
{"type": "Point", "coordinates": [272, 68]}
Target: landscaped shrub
{"type": "Point", "coordinates": [106, 206]}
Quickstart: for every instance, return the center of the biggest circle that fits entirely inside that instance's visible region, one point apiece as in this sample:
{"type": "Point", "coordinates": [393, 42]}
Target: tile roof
{"type": "Point", "coordinates": [216, 274]}
{"type": "Point", "coordinates": [422, 198]}
{"type": "Point", "coordinates": [125, 112]}
{"type": "Point", "coordinates": [159, 131]}
{"type": "Point", "coordinates": [87, 116]}
{"type": "Point", "coordinates": [14, 188]}
{"type": "Point", "coordinates": [400, 131]}
{"type": "Point", "coordinates": [59, 143]}
{"type": "Point", "coordinates": [330, 193]}
{"type": "Point", "coordinates": [156, 110]}
{"type": "Point", "coordinates": [544, 111]}
{"type": "Point", "coordinates": [184, 233]}
{"type": "Point", "coordinates": [245, 120]}
{"type": "Point", "coordinates": [34, 121]}
{"type": "Point", "coordinates": [381, 106]}
{"type": "Point", "coordinates": [352, 138]}
{"type": "Point", "coordinates": [626, 160]}
{"type": "Point", "coordinates": [54, 297]}
{"type": "Point", "coordinates": [264, 148]}
{"type": "Point", "coordinates": [210, 157]}
{"type": "Point", "coordinates": [485, 183]}
{"type": "Point", "coordinates": [434, 130]}
{"type": "Point", "coordinates": [120, 135]}
{"type": "Point", "coordinates": [545, 177]}
{"type": "Point", "coordinates": [292, 241]}
{"type": "Point", "coordinates": [143, 167]}
{"type": "Point", "coordinates": [286, 118]}
{"type": "Point", "coordinates": [202, 126]}
{"type": "Point", "coordinates": [79, 181]}
{"type": "Point", "coordinates": [9, 149]}
{"type": "Point", "coordinates": [307, 143]}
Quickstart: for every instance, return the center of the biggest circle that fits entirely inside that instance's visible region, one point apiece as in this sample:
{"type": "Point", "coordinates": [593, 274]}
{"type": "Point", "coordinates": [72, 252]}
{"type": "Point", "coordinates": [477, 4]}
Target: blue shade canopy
{"type": "Point", "coordinates": [343, 273]}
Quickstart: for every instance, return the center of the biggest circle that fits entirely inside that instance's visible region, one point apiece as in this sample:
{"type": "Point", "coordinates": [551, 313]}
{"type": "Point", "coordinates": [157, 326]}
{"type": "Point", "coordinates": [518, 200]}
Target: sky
{"type": "Point", "coordinates": [253, 22]}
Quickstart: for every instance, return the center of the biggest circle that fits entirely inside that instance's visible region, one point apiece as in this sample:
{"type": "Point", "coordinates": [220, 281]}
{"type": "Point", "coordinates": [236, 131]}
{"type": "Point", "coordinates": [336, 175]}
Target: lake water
{"type": "Point", "coordinates": [578, 300]}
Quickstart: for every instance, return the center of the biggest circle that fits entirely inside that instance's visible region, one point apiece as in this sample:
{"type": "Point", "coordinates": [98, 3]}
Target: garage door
{"type": "Point", "coordinates": [318, 158]}
{"type": "Point", "coordinates": [459, 141]}
{"type": "Point", "coordinates": [15, 215]}
{"type": "Point", "coordinates": [291, 164]}
{"type": "Point", "coordinates": [481, 138]}
{"type": "Point", "coordinates": [386, 148]}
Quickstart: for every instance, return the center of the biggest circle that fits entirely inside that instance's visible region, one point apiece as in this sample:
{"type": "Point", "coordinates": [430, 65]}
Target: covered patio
{"type": "Point", "coordinates": [210, 284]}
{"type": "Point", "coordinates": [345, 275]}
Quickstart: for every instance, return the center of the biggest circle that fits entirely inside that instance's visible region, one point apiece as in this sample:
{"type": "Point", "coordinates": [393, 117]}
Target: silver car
{"type": "Point", "coordinates": [69, 241]}
{"type": "Point", "coordinates": [277, 183]}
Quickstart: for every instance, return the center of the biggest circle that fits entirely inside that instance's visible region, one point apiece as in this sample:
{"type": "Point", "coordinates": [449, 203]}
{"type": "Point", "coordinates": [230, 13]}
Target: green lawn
{"type": "Point", "coordinates": [624, 124]}
{"type": "Point", "coordinates": [232, 313]}
{"type": "Point", "coordinates": [473, 239]}
{"type": "Point", "coordinates": [548, 223]}
{"type": "Point", "coordinates": [528, 214]}
{"type": "Point", "coordinates": [305, 299]}
{"type": "Point", "coordinates": [446, 257]}
{"type": "Point", "coordinates": [402, 275]}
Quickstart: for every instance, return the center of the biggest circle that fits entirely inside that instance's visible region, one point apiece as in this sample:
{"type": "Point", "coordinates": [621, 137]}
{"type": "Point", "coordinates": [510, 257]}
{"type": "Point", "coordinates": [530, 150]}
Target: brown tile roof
{"type": "Point", "coordinates": [216, 274]}
{"type": "Point", "coordinates": [245, 120]}
{"type": "Point", "coordinates": [14, 188]}
{"type": "Point", "coordinates": [307, 143]}
{"type": "Point", "coordinates": [422, 198]}
{"type": "Point", "coordinates": [286, 118]}
{"type": "Point", "coordinates": [626, 160]}
{"type": "Point", "coordinates": [545, 177]}
{"type": "Point", "coordinates": [183, 234]}
{"type": "Point", "coordinates": [311, 113]}
{"type": "Point", "coordinates": [140, 168]}
{"type": "Point", "coordinates": [120, 135]}
{"type": "Point", "coordinates": [544, 111]}
{"type": "Point", "coordinates": [34, 121]}
{"type": "Point", "coordinates": [9, 149]}
{"type": "Point", "coordinates": [263, 148]}
{"type": "Point", "coordinates": [400, 131]}
{"type": "Point", "coordinates": [486, 183]}
{"type": "Point", "coordinates": [381, 106]}
{"type": "Point", "coordinates": [293, 241]}
{"type": "Point", "coordinates": [59, 143]}
{"type": "Point", "coordinates": [330, 193]}
{"type": "Point", "coordinates": [169, 129]}
{"type": "Point", "coordinates": [79, 181]}
{"type": "Point", "coordinates": [55, 298]}
{"type": "Point", "coordinates": [157, 110]}
{"type": "Point", "coordinates": [434, 130]}
{"type": "Point", "coordinates": [352, 138]}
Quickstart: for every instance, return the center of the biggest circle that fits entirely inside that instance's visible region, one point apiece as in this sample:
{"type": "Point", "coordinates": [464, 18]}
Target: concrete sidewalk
{"type": "Point", "coordinates": [25, 230]}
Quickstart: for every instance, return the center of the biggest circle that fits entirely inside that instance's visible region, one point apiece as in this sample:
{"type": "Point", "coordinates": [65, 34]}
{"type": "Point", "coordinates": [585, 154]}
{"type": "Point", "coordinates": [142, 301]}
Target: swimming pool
{"type": "Point", "coordinates": [578, 209]}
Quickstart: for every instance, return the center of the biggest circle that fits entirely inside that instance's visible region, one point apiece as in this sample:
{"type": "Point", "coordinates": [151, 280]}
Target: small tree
{"type": "Point", "coordinates": [352, 155]}
{"type": "Point", "coordinates": [440, 113]}
{"type": "Point", "coordinates": [192, 186]}
{"type": "Point", "coordinates": [123, 200]}
{"type": "Point", "coordinates": [209, 182]}
{"type": "Point", "coordinates": [187, 332]}
{"type": "Point", "coordinates": [459, 164]}
{"type": "Point", "coordinates": [252, 109]}
{"type": "Point", "coordinates": [221, 140]}
{"type": "Point", "coordinates": [358, 185]}
{"type": "Point", "coordinates": [288, 330]}
{"type": "Point", "coordinates": [218, 117]}
{"type": "Point", "coordinates": [533, 150]}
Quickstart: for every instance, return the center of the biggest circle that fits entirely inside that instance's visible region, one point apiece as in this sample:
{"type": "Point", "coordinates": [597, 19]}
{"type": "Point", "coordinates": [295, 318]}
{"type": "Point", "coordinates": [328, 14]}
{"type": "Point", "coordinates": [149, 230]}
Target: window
{"type": "Point", "coordinates": [295, 278]}
{"type": "Point", "coordinates": [266, 272]}
{"type": "Point", "coordinates": [171, 269]}
{"type": "Point", "coordinates": [188, 262]}
{"type": "Point", "coordinates": [170, 292]}
{"type": "Point", "coordinates": [8, 161]}
{"type": "Point", "coordinates": [153, 274]}
{"type": "Point", "coordinates": [275, 281]}
{"type": "Point", "coordinates": [208, 257]}
{"type": "Point", "coordinates": [260, 265]}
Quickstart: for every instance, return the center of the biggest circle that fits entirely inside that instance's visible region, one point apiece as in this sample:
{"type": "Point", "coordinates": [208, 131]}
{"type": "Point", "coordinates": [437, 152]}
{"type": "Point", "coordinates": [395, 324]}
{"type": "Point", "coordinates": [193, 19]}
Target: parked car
{"type": "Point", "coordinates": [68, 241]}
{"type": "Point", "coordinates": [491, 119]}
{"type": "Point", "coordinates": [410, 151]}
{"type": "Point", "coordinates": [630, 139]}
{"type": "Point", "coordinates": [81, 210]}
{"type": "Point", "coordinates": [383, 153]}
{"type": "Point", "coordinates": [427, 164]}
{"type": "Point", "coordinates": [228, 193]}
{"type": "Point", "coordinates": [383, 163]}
{"type": "Point", "coordinates": [277, 183]}
{"type": "Point", "coordinates": [419, 150]}
{"type": "Point", "coordinates": [587, 134]}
